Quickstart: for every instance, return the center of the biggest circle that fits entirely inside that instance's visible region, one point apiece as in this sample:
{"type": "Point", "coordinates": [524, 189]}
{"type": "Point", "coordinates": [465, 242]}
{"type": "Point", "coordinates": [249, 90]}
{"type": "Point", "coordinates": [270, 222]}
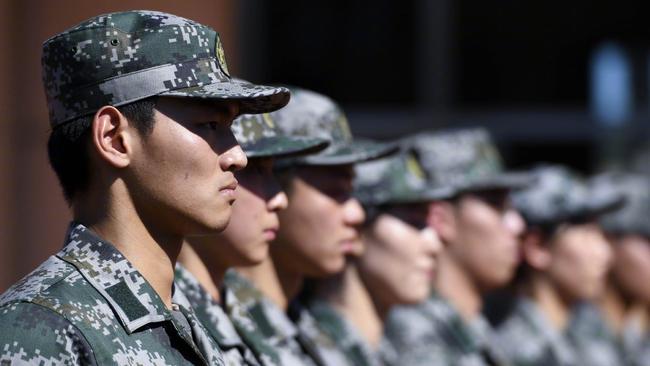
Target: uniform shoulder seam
{"type": "Point", "coordinates": [29, 297]}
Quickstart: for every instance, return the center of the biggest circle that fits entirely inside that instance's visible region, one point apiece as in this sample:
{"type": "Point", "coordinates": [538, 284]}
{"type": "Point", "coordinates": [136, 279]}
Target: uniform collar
{"type": "Point", "coordinates": [557, 340]}
{"type": "Point", "coordinates": [449, 319]}
{"type": "Point", "coordinates": [344, 333]}
{"type": "Point", "coordinates": [210, 312]}
{"type": "Point", "coordinates": [131, 297]}
{"type": "Point", "coordinates": [271, 319]}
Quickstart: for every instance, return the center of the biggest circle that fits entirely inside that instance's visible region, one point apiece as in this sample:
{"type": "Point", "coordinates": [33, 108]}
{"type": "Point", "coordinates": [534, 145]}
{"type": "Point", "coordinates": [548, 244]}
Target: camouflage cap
{"type": "Point", "coordinates": [634, 216]}
{"type": "Point", "coordinates": [463, 160]}
{"type": "Point", "coordinates": [560, 195]}
{"type": "Point", "coordinates": [119, 58]}
{"type": "Point", "coordinates": [394, 179]}
{"type": "Point", "coordinates": [259, 136]}
{"type": "Point", "coordinates": [314, 115]}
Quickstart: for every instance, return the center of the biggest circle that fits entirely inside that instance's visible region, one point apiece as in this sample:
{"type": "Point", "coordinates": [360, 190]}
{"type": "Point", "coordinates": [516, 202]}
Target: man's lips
{"type": "Point", "coordinates": [229, 189]}
{"type": "Point", "coordinates": [349, 244]}
{"type": "Point", "coordinates": [429, 270]}
{"type": "Point", "coordinates": [270, 234]}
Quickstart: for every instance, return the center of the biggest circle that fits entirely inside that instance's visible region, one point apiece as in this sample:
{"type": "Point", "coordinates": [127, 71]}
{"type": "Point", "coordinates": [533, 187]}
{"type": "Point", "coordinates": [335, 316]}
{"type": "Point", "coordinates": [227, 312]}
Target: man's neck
{"type": "Point", "coordinates": [614, 308]}
{"type": "Point", "coordinates": [347, 294]}
{"type": "Point", "coordinates": [550, 302]}
{"type": "Point", "coordinates": [200, 262]}
{"type": "Point", "coordinates": [152, 252]}
{"type": "Point", "coordinates": [638, 313]}
{"type": "Point", "coordinates": [266, 279]}
{"type": "Point", "coordinates": [457, 287]}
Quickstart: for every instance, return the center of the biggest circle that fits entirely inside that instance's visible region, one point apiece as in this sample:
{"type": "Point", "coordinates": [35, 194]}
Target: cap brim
{"type": "Point", "coordinates": [284, 146]}
{"type": "Point", "coordinates": [604, 206]}
{"type": "Point", "coordinates": [254, 98]}
{"type": "Point", "coordinates": [357, 152]}
{"type": "Point", "coordinates": [414, 196]}
{"type": "Point", "coordinates": [506, 180]}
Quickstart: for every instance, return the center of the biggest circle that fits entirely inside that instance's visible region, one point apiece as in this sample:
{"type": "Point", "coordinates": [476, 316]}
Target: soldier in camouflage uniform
{"type": "Point", "coordinates": [244, 242]}
{"type": "Point", "coordinates": [129, 95]}
{"type": "Point", "coordinates": [395, 267]}
{"type": "Point", "coordinates": [479, 228]}
{"type": "Point", "coordinates": [608, 327]}
{"type": "Point", "coordinates": [315, 182]}
{"type": "Point", "coordinates": [566, 258]}
{"type": "Point", "coordinates": [255, 314]}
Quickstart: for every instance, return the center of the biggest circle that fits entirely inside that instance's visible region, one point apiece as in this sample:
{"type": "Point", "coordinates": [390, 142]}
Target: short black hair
{"type": "Point", "coordinates": [67, 146]}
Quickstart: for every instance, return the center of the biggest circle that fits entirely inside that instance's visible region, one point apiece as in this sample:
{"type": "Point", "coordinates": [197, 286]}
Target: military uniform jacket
{"type": "Point", "coordinates": [636, 345]}
{"type": "Point", "coordinates": [88, 305]}
{"type": "Point", "coordinates": [433, 333]}
{"type": "Point", "coordinates": [595, 343]}
{"type": "Point", "coordinates": [529, 339]}
{"type": "Point", "coordinates": [313, 338]}
{"type": "Point", "coordinates": [264, 327]}
{"type": "Point", "coordinates": [338, 328]}
{"type": "Point", "coordinates": [216, 321]}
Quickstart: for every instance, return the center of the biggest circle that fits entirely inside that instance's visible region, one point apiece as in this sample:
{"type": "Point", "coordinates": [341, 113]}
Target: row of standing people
{"type": "Point", "coordinates": [328, 250]}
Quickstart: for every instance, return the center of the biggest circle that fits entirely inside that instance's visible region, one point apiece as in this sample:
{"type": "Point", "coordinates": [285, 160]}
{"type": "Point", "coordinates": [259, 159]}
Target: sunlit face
{"type": "Point", "coordinates": [182, 177]}
{"type": "Point", "coordinates": [254, 223]}
{"type": "Point", "coordinates": [631, 266]}
{"type": "Point", "coordinates": [580, 259]}
{"type": "Point", "coordinates": [399, 261]}
{"type": "Point", "coordinates": [484, 239]}
{"type": "Point", "coordinates": [321, 225]}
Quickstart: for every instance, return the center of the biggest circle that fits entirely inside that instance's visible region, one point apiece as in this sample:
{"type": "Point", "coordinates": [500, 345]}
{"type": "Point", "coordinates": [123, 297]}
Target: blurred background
{"type": "Point", "coordinates": [554, 81]}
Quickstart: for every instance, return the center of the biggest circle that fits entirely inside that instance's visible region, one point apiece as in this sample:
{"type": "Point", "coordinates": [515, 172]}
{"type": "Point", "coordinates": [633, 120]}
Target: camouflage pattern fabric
{"type": "Point", "coordinates": [313, 115]}
{"type": "Point", "coordinates": [634, 216]}
{"type": "Point", "coordinates": [560, 195]}
{"type": "Point", "coordinates": [88, 305]}
{"type": "Point", "coordinates": [595, 343]}
{"type": "Point", "coordinates": [528, 338]}
{"type": "Point", "coordinates": [118, 58]}
{"type": "Point", "coordinates": [357, 351]}
{"type": "Point", "coordinates": [253, 315]}
{"type": "Point", "coordinates": [313, 339]}
{"type": "Point", "coordinates": [463, 160]}
{"type": "Point", "coordinates": [433, 333]}
{"type": "Point", "coordinates": [636, 345]}
{"type": "Point", "coordinates": [259, 136]}
{"type": "Point", "coordinates": [396, 179]}
{"type": "Point", "coordinates": [387, 353]}
{"type": "Point", "coordinates": [216, 321]}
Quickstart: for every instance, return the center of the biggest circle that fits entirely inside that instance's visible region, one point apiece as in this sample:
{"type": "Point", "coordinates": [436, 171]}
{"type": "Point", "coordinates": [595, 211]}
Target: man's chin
{"type": "Point", "coordinates": [209, 227]}
{"type": "Point", "coordinates": [329, 269]}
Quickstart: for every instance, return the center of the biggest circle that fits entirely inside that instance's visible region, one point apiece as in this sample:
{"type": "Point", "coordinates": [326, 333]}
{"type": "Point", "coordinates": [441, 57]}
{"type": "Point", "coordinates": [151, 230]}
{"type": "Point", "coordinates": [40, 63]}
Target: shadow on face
{"type": "Point", "coordinates": [580, 260]}
{"type": "Point", "coordinates": [210, 120]}
{"type": "Point", "coordinates": [399, 262]}
{"type": "Point", "coordinates": [480, 230]}
{"type": "Point", "coordinates": [573, 259]}
{"type": "Point", "coordinates": [631, 266]}
{"type": "Point", "coordinates": [182, 175]}
{"type": "Point", "coordinates": [254, 223]}
{"type": "Point", "coordinates": [321, 224]}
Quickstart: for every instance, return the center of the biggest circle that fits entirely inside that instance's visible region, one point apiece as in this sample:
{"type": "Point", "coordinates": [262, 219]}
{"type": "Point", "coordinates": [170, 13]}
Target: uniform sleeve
{"type": "Point", "coordinates": [31, 334]}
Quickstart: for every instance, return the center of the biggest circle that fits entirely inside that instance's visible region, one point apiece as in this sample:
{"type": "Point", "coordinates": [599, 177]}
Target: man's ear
{"type": "Point", "coordinates": [441, 219]}
{"type": "Point", "coordinates": [112, 138]}
{"type": "Point", "coordinates": [534, 250]}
